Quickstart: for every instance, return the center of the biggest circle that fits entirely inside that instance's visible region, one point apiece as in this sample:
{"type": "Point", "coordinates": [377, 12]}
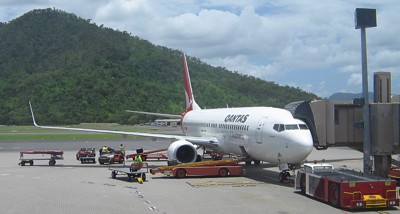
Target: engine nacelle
{"type": "Point", "coordinates": [182, 151]}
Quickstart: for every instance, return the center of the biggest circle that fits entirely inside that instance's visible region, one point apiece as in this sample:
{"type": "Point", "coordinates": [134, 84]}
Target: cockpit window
{"type": "Point", "coordinates": [279, 127]}
{"type": "Point", "coordinates": [283, 127]}
{"type": "Point", "coordinates": [303, 126]}
{"type": "Point", "coordinates": [291, 127]}
{"type": "Point", "coordinates": [276, 127]}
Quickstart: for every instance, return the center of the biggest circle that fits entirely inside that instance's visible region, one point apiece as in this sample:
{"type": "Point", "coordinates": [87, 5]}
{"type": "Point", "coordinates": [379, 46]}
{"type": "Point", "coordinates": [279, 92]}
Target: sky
{"type": "Point", "coordinates": [312, 45]}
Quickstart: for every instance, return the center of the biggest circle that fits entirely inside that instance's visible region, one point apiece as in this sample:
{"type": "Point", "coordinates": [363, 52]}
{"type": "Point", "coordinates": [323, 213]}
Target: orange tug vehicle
{"type": "Point", "coordinates": [344, 188]}
{"type": "Point", "coordinates": [222, 168]}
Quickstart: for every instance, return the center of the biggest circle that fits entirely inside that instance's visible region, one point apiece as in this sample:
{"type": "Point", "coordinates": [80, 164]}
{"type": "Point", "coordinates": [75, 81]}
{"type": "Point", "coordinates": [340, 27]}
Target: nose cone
{"type": "Point", "coordinates": [302, 145]}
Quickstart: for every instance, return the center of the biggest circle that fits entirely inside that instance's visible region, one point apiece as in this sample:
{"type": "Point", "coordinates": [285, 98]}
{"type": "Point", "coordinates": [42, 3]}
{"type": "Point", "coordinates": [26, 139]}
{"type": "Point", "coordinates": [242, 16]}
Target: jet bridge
{"type": "Point", "coordinates": [332, 123]}
{"type": "Point", "coordinates": [340, 123]}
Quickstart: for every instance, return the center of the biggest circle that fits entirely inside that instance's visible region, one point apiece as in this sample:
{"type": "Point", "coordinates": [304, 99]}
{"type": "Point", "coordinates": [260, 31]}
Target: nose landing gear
{"type": "Point", "coordinates": [284, 177]}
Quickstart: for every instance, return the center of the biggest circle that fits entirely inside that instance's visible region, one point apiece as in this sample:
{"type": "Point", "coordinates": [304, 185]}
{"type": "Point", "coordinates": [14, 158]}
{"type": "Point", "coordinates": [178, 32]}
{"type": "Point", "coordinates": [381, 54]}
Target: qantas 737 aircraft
{"type": "Point", "coordinates": [261, 133]}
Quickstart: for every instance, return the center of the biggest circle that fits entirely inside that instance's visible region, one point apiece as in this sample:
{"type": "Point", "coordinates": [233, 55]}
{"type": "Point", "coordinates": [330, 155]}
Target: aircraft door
{"type": "Point", "coordinates": [259, 130]}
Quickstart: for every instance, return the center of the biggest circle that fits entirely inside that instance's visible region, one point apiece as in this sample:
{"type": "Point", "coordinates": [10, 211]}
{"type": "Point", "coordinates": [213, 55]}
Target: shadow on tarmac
{"type": "Point", "coordinates": [263, 173]}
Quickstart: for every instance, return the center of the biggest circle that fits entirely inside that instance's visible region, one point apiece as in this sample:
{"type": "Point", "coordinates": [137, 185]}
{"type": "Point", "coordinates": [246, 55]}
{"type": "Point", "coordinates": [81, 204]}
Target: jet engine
{"type": "Point", "coordinates": [182, 151]}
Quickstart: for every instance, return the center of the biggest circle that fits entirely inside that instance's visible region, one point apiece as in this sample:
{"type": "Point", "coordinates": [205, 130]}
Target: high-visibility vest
{"type": "Point", "coordinates": [122, 148]}
{"type": "Point", "coordinates": [138, 158]}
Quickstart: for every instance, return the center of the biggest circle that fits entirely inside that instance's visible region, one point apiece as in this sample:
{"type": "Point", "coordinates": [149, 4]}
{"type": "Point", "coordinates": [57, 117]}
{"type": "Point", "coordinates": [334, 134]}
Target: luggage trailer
{"type": "Point", "coordinates": [222, 168]}
{"type": "Point", "coordinates": [39, 155]}
{"type": "Point", "coordinates": [136, 171]}
{"type": "Point", "coordinates": [344, 188]}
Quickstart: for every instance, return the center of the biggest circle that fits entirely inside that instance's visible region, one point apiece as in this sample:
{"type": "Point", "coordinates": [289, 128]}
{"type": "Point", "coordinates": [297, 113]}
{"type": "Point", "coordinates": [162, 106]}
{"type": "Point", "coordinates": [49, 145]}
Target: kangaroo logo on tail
{"type": "Point", "coordinates": [190, 104]}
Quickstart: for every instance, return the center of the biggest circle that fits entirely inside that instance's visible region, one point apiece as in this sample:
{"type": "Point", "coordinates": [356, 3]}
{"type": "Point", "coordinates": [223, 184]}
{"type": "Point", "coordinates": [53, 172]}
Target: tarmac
{"type": "Point", "coordinates": [72, 187]}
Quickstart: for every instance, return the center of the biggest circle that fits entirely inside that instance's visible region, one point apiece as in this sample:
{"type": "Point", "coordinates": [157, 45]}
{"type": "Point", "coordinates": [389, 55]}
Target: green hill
{"type": "Point", "coordinates": [75, 71]}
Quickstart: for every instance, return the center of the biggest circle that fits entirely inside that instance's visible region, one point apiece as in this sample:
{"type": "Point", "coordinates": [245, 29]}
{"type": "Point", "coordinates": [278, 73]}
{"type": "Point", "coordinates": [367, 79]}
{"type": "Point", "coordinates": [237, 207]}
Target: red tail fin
{"type": "Point", "coordinates": [190, 104]}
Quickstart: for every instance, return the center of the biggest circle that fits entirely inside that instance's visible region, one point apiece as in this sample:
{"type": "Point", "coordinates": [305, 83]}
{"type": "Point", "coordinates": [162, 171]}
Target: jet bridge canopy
{"type": "Point", "coordinates": [340, 123]}
{"type": "Point", "coordinates": [301, 110]}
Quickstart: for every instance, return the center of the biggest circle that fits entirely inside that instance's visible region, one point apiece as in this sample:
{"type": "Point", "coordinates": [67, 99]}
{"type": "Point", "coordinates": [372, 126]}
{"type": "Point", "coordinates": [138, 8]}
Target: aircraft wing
{"type": "Point", "coordinates": [156, 114]}
{"type": "Point", "coordinates": [202, 141]}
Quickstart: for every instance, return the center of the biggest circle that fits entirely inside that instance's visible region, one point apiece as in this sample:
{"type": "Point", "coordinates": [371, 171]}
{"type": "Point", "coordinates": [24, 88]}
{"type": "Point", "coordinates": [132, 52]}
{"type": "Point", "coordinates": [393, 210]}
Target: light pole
{"type": "Point", "coordinates": [365, 18]}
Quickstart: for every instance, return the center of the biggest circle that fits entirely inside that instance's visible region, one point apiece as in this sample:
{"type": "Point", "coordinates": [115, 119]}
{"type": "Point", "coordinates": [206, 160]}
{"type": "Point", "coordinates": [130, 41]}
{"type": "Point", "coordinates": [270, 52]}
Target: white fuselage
{"type": "Point", "coordinates": [265, 133]}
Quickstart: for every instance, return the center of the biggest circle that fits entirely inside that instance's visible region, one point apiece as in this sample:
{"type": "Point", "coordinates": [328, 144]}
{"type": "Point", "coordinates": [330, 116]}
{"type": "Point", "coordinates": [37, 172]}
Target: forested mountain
{"type": "Point", "coordinates": [349, 96]}
{"type": "Point", "coordinates": [75, 71]}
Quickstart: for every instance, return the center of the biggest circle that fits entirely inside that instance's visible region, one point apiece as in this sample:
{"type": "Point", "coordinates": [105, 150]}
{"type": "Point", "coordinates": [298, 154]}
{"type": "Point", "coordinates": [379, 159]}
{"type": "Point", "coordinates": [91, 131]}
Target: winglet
{"type": "Point", "coordinates": [33, 117]}
{"type": "Point", "coordinates": [190, 104]}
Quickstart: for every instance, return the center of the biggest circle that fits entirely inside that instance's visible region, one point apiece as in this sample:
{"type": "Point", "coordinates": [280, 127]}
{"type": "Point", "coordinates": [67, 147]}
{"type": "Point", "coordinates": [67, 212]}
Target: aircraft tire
{"type": "Point", "coordinates": [282, 177]}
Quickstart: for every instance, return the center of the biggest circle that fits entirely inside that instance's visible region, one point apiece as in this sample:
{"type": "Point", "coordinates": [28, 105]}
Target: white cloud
{"type": "Point", "coordinates": [22, 2]}
{"type": "Point", "coordinates": [241, 63]}
{"type": "Point", "coordinates": [123, 10]}
{"type": "Point", "coordinates": [130, 15]}
{"type": "Point", "coordinates": [355, 79]}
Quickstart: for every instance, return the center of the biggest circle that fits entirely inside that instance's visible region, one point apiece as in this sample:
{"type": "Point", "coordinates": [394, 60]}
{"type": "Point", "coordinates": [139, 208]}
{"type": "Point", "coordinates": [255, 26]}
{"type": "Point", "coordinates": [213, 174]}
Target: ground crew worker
{"type": "Point", "coordinates": [138, 159]}
{"type": "Point", "coordinates": [122, 151]}
{"type": "Point", "coordinates": [122, 148]}
{"type": "Point", "coordinates": [137, 163]}
{"type": "Point", "coordinates": [105, 149]}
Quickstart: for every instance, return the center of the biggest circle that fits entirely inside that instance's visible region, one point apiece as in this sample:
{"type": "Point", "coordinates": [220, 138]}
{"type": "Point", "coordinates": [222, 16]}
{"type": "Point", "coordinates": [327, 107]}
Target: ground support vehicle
{"type": "Point", "coordinates": [344, 188]}
{"type": "Point", "coordinates": [134, 171]}
{"type": "Point", "coordinates": [86, 155]}
{"type": "Point", "coordinates": [111, 158]}
{"type": "Point", "coordinates": [394, 172]}
{"type": "Point", "coordinates": [222, 168]}
{"type": "Point", "coordinates": [149, 155]}
{"type": "Point", "coordinates": [38, 155]}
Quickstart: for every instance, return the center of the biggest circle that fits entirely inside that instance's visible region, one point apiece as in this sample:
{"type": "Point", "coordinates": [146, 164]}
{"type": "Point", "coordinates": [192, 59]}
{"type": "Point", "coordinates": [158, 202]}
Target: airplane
{"type": "Point", "coordinates": [258, 133]}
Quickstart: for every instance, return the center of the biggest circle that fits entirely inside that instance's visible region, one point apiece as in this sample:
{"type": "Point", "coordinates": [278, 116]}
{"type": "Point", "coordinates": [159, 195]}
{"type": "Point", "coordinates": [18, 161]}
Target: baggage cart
{"type": "Point", "coordinates": [34, 155]}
